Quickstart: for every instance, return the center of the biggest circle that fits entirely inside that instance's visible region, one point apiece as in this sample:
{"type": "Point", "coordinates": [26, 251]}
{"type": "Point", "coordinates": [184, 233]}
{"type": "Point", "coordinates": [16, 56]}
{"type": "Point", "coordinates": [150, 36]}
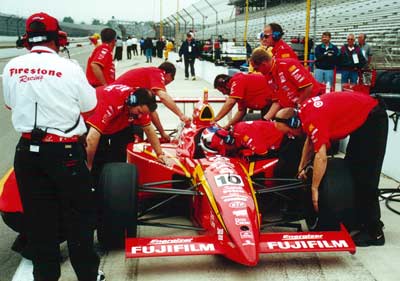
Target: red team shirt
{"type": "Point", "coordinates": [333, 116]}
{"type": "Point", "coordinates": [259, 136]}
{"type": "Point", "coordinates": [290, 76]}
{"type": "Point", "coordinates": [102, 56]}
{"type": "Point", "coordinates": [151, 78]}
{"type": "Point", "coordinates": [281, 50]}
{"type": "Point", "coordinates": [252, 90]}
{"type": "Point", "coordinates": [111, 114]}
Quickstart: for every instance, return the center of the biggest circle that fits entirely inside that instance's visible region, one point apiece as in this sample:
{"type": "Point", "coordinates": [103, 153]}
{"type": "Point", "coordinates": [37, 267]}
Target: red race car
{"type": "Point", "coordinates": [225, 198]}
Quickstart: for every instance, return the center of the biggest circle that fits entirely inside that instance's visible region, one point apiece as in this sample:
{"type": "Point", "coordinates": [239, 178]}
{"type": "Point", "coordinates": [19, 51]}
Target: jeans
{"type": "Point", "coordinates": [149, 53]}
{"type": "Point", "coordinates": [349, 76]}
{"type": "Point", "coordinates": [324, 76]}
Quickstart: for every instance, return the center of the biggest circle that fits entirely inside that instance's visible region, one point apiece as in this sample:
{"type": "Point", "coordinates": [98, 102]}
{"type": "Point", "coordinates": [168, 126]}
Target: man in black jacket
{"type": "Point", "coordinates": [190, 51]}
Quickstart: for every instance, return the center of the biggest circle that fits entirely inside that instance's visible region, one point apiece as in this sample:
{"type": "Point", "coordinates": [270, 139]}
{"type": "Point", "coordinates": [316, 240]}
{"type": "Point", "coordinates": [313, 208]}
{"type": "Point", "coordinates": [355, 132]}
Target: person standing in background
{"type": "Point", "coordinates": [351, 61]}
{"type": "Point", "coordinates": [100, 69]}
{"type": "Point", "coordinates": [118, 49]}
{"type": "Point", "coordinates": [134, 46]}
{"type": "Point", "coordinates": [148, 49]}
{"type": "Point", "coordinates": [190, 51]}
{"type": "Point", "coordinates": [326, 55]}
{"type": "Point", "coordinates": [129, 44]}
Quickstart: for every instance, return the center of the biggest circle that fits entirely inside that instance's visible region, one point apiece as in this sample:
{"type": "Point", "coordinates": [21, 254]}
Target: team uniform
{"type": "Point", "coordinates": [102, 56]}
{"type": "Point", "coordinates": [257, 136]}
{"type": "Point", "coordinates": [334, 116]}
{"type": "Point", "coordinates": [251, 90]}
{"type": "Point", "coordinates": [282, 50]}
{"type": "Point", "coordinates": [46, 91]}
{"type": "Point", "coordinates": [290, 76]}
{"type": "Point", "coordinates": [112, 119]}
{"type": "Point", "coordinates": [151, 78]}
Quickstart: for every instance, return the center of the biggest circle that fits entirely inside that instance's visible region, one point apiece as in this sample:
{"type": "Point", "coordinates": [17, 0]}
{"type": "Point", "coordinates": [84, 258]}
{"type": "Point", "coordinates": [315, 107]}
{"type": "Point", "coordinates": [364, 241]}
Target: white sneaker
{"type": "Point", "coordinates": [186, 78]}
{"type": "Point", "coordinates": [101, 276]}
{"type": "Point", "coordinates": [194, 78]}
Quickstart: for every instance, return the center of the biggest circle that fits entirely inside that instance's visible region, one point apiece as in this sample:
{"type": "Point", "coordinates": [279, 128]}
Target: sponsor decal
{"type": "Point", "coordinates": [242, 221]}
{"type": "Point", "coordinates": [307, 244]}
{"type": "Point", "coordinates": [246, 235]}
{"type": "Point", "coordinates": [233, 191]}
{"type": "Point", "coordinates": [26, 78]}
{"type": "Point", "coordinates": [233, 197]}
{"type": "Point", "coordinates": [311, 127]}
{"type": "Point", "coordinates": [240, 213]}
{"type": "Point", "coordinates": [212, 220]}
{"type": "Point", "coordinates": [248, 243]}
{"type": "Point", "coordinates": [170, 241]}
{"type": "Point", "coordinates": [35, 71]}
{"type": "Point", "coordinates": [228, 179]}
{"type": "Point", "coordinates": [175, 248]}
{"type": "Point", "coordinates": [237, 205]}
{"type": "Point", "coordinates": [292, 68]}
{"type": "Point", "coordinates": [220, 233]}
{"type": "Point", "coordinates": [318, 104]}
{"type": "Point", "coordinates": [302, 237]}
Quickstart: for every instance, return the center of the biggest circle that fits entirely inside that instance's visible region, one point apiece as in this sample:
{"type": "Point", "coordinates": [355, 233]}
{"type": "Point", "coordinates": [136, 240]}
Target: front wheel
{"type": "Point", "coordinates": [118, 209]}
{"type": "Point", "coordinates": [336, 198]}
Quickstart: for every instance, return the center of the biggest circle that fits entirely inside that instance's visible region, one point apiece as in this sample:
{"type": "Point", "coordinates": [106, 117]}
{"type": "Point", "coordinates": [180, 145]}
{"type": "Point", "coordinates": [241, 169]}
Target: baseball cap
{"type": "Point", "coordinates": [50, 23]}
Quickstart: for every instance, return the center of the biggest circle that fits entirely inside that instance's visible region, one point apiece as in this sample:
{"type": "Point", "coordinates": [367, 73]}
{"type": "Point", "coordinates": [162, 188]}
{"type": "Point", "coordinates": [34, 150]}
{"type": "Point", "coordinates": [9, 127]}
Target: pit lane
{"type": "Point", "coordinates": [373, 263]}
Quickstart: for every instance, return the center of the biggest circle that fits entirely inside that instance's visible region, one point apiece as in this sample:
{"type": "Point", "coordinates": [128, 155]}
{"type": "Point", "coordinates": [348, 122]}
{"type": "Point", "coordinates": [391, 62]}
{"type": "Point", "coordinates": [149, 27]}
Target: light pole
{"type": "Point", "coordinates": [216, 17]}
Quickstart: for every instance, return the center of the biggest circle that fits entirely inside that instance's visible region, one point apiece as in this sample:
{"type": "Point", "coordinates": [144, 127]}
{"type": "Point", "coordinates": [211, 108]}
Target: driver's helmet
{"type": "Point", "coordinates": [215, 140]}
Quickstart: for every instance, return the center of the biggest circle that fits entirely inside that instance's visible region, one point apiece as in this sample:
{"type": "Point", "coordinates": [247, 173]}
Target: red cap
{"type": "Point", "coordinates": [50, 23]}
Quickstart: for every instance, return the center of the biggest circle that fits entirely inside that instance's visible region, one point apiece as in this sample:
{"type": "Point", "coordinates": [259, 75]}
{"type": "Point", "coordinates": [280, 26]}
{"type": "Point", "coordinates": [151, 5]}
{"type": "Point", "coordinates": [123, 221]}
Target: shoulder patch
{"type": "Point", "coordinates": [311, 127]}
{"type": "Point", "coordinates": [286, 55]}
{"type": "Point", "coordinates": [292, 68]}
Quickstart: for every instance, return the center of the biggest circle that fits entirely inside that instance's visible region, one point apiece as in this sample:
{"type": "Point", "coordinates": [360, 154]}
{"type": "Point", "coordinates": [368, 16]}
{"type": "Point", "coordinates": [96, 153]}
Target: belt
{"type": "Point", "coordinates": [53, 138]}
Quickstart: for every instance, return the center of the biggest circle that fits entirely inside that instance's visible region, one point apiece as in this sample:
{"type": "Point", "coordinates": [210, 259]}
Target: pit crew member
{"type": "Point", "coordinates": [155, 79]}
{"type": "Point", "coordinates": [100, 70]}
{"type": "Point", "coordinates": [294, 83]}
{"type": "Point", "coordinates": [119, 107]}
{"type": "Point", "coordinates": [46, 94]}
{"type": "Point", "coordinates": [334, 116]}
{"type": "Point", "coordinates": [248, 90]}
{"type": "Point", "coordinates": [247, 138]}
{"type": "Point", "coordinates": [272, 37]}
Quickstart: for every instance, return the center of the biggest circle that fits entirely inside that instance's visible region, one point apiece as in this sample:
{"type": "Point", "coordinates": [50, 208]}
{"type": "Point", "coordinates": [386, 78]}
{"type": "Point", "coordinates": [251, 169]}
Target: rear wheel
{"type": "Point", "coordinates": [118, 195]}
{"type": "Point", "coordinates": [336, 198]}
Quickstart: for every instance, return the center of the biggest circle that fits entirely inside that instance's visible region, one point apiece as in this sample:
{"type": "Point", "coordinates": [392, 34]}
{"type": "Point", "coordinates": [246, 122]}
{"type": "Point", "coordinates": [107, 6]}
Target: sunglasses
{"type": "Point", "coordinates": [264, 36]}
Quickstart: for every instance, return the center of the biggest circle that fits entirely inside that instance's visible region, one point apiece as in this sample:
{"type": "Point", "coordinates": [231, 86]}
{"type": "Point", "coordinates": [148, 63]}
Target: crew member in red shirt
{"type": "Point", "coordinates": [293, 82]}
{"type": "Point", "coordinates": [272, 37]}
{"type": "Point", "coordinates": [118, 107]}
{"type": "Point", "coordinates": [332, 117]}
{"type": "Point", "coordinates": [247, 90]}
{"type": "Point", "coordinates": [155, 79]}
{"type": "Point", "coordinates": [100, 70]}
{"type": "Point", "coordinates": [249, 138]}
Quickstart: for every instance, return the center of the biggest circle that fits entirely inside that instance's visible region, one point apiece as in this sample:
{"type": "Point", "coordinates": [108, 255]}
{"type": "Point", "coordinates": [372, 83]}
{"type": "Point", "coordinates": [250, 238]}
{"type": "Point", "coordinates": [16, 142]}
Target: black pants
{"type": "Point", "coordinates": [365, 151]}
{"type": "Point", "coordinates": [134, 49]}
{"type": "Point", "coordinates": [56, 193]}
{"type": "Point", "coordinates": [112, 148]}
{"type": "Point", "coordinates": [118, 53]}
{"type": "Point", "coordinates": [129, 52]}
{"type": "Point", "coordinates": [189, 62]}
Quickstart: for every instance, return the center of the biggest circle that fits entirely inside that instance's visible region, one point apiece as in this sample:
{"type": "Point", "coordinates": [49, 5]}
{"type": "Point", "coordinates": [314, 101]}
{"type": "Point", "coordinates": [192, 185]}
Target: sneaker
{"type": "Point", "coordinates": [366, 238]}
{"type": "Point", "coordinates": [186, 78]}
{"type": "Point", "coordinates": [101, 276]}
{"type": "Point", "coordinates": [194, 78]}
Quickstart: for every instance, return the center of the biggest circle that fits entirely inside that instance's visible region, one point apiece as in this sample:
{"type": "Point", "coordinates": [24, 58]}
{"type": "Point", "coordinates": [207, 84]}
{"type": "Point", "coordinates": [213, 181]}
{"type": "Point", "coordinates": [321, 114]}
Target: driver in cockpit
{"type": "Point", "coordinates": [244, 138]}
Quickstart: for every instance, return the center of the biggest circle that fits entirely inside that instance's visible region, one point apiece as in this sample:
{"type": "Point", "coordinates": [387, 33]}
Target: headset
{"type": "Point", "coordinates": [276, 35]}
{"type": "Point", "coordinates": [28, 39]}
{"type": "Point", "coordinates": [293, 122]}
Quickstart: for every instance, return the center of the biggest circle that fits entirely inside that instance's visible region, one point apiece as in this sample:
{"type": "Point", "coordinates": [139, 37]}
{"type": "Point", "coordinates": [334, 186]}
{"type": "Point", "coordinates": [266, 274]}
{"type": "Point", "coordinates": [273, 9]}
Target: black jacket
{"type": "Point", "coordinates": [184, 49]}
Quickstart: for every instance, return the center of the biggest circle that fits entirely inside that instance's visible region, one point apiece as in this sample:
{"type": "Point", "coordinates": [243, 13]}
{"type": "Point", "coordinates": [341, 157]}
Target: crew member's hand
{"type": "Point", "coordinates": [302, 175]}
{"type": "Point", "coordinates": [161, 158]}
{"type": "Point", "coordinates": [186, 120]}
{"type": "Point", "coordinates": [165, 137]}
{"type": "Point", "coordinates": [314, 197]}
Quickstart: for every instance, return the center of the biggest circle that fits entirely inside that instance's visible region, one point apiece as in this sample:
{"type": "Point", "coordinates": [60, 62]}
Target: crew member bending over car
{"type": "Point", "coordinates": [248, 90]}
{"type": "Point", "coordinates": [155, 79]}
{"type": "Point", "coordinates": [294, 83]}
{"type": "Point", "coordinates": [119, 107]}
{"type": "Point", "coordinates": [247, 138]}
{"type": "Point", "coordinates": [334, 116]}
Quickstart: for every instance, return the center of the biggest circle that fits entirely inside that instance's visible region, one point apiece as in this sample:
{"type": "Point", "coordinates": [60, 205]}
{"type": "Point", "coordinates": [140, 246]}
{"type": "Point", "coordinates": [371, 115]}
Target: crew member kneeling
{"type": "Point", "coordinates": [334, 116]}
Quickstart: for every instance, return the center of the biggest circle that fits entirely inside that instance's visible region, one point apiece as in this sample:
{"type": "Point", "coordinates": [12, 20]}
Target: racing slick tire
{"type": "Point", "coordinates": [336, 198]}
{"type": "Point", "coordinates": [118, 218]}
{"type": "Point", "coordinates": [13, 220]}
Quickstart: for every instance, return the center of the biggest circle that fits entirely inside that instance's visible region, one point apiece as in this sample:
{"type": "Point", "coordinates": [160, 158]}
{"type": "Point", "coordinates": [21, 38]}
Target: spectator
{"type": "Point", "coordinates": [190, 51]}
{"type": "Point", "coordinates": [142, 50]}
{"type": "Point", "coordinates": [326, 55]}
{"type": "Point", "coordinates": [160, 45]}
{"type": "Point", "coordinates": [169, 47]}
{"type": "Point", "coordinates": [351, 60]}
{"type": "Point", "coordinates": [148, 47]}
{"type": "Point", "coordinates": [272, 37]}
{"type": "Point", "coordinates": [134, 46]}
{"type": "Point", "coordinates": [118, 49]}
{"type": "Point", "coordinates": [100, 69]}
{"type": "Point", "coordinates": [365, 48]}
{"type": "Point", "coordinates": [247, 90]}
{"type": "Point", "coordinates": [129, 44]}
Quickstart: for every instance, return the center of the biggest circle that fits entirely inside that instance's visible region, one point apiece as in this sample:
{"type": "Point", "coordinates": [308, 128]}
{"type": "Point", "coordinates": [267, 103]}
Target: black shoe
{"type": "Point", "coordinates": [366, 238]}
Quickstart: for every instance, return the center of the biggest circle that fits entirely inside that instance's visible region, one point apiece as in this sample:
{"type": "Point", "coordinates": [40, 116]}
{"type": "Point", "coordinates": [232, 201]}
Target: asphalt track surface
{"type": "Point", "coordinates": [373, 263]}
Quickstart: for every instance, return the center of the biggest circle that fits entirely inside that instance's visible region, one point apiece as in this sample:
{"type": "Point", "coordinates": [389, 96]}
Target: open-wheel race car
{"type": "Point", "coordinates": [226, 199]}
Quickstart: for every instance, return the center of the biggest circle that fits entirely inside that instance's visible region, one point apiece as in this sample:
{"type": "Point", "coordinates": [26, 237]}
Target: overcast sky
{"type": "Point", "coordinates": [87, 10]}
